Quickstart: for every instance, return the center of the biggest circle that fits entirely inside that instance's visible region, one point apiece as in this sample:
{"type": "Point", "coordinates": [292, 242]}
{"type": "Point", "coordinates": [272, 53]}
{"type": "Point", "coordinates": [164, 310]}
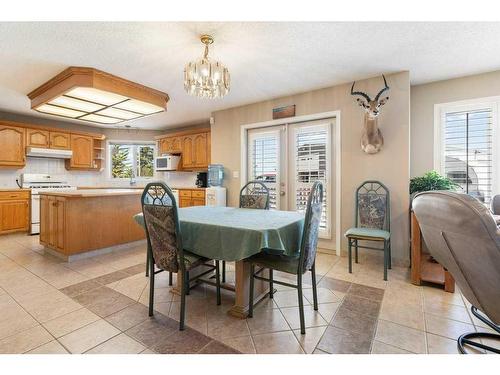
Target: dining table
{"type": "Point", "coordinates": [235, 234]}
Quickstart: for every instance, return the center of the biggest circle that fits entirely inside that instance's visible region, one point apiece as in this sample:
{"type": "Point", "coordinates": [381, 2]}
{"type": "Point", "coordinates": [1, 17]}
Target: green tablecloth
{"type": "Point", "coordinates": [226, 233]}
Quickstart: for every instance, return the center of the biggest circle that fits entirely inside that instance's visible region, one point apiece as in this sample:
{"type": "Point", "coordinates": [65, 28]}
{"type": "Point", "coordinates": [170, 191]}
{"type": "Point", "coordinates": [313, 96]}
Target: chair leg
{"type": "Point", "coordinates": [349, 251]}
{"type": "Point", "coordinates": [187, 283]}
{"type": "Point", "coordinates": [223, 271]}
{"type": "Point", "coordinates": [250, 294]}
{"type": "Point", "coordinates": [184, 288]}
{"type": "Point", "coordinates": [390, 255]}
{"type": "Point", "coordinates": [301, 304]}
{"type": "Point", "coordinates": [271, 286]}
{"type": "Point", "coordinates": [386, 259]}
{"type": "Point", "coordinates": [148, 259]}
{"type": "Point", "coordinates": [151, 286]}
{"type": "Point", "coordinates": [315, 291]}
{"type": "Point", "coordinates": [356, 251]}
{"type": "Point", "coordinates": [170, 278]}
{"type": "Point", "coordinates": [217, 281]}
{"type": "Point", "coordinates": [465, 339]}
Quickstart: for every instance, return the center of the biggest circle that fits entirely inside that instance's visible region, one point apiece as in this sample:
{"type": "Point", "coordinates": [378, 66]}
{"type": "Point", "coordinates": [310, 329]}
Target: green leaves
{"type": "Point", "coordinates": [431, 181]}
{"type": "Point", "coordinates": [120, 164]}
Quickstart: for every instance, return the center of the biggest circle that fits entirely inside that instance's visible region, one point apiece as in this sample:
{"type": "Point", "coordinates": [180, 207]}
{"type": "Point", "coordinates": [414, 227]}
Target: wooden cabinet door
{"type": "Point", "coordinates": [44, 219]}
{"type": "Point", "coordinates": [82, 151]}
{"type": "Point", "coordinates": [12, 150]}
{"type": "Point", "coordinates": [176, 144]}
{"type": "Point", "coordinates": [200, 158]}
{"type": "Point", "coordinates": [197, 202]}
{"type": "Point", "coordinates": [185, 202]}
{"type": "Point", "coordinates": [59, 223]}
{"type": "Point", "coordinates": [52, 222]}
{"type": "Point", "coordinates": [60, 141]}
{"type": "Point", "coordinates": [37, 138]}
{"type": "Point", "coordinates": [14, 215]}
{"type": "Point", "coordinates": [187, 152]}
{"type": "Point", "coordinates": [165, 144]}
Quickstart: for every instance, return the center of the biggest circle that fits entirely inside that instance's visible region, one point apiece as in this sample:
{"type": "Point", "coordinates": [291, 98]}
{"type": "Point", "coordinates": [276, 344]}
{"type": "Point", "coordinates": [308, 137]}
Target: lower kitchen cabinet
{"type": "Point", "coordinates": [191, 197]}
{"type": "Point", "coordinates": [52, 221]}
{"type": "Point", "coordinates": [14, 211]}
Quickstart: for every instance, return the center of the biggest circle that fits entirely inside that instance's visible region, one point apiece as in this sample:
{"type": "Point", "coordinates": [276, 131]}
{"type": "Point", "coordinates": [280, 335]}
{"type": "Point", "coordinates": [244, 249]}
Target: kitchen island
{"type": "Point", "coordinates": [77, 223]}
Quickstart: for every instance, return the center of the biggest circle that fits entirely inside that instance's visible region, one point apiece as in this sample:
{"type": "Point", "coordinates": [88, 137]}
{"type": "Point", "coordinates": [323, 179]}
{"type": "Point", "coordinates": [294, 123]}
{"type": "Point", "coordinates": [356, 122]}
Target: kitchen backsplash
{"type": "Point", "coordinates": [83, 178]}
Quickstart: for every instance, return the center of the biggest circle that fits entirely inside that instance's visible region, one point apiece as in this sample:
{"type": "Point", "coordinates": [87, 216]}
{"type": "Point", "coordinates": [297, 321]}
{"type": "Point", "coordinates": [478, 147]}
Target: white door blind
{"type": "Point", "coordinates": [263, 163]}
{"type": "Point", "coordinates": [310, 147]}
{"type": "Point", "coordinates": [468, 151]}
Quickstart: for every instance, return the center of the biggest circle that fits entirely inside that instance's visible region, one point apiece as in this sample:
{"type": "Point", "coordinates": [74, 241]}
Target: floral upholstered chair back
{"type": "Point", "coordinates": [254, 195]}
{"type": "Point", "coordinates": [372, 206]}
{"type": "Point", "coordinates": [162, 225]}
{"type": "Point", "coordinates": [312, 222]}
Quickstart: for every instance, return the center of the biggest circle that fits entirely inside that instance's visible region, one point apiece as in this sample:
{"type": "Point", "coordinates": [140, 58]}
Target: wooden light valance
{"type": "Point", "coordinates": [92, 95]}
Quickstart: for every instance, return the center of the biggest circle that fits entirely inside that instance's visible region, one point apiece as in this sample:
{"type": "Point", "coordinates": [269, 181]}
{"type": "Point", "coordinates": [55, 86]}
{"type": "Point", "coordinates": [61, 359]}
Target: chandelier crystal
{"type": "Point", "coordinates": [206, 78]}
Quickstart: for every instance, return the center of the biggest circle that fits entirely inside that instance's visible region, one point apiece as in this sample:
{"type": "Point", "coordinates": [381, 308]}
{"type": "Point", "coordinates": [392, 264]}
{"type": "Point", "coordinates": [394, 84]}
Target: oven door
{"type": "Point", "coordinates": [35, 214]}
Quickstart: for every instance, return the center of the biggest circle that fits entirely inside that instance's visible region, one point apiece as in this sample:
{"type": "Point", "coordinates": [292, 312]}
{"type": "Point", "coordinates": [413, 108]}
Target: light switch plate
{"type": "Point", "coordinates": [236, 174]}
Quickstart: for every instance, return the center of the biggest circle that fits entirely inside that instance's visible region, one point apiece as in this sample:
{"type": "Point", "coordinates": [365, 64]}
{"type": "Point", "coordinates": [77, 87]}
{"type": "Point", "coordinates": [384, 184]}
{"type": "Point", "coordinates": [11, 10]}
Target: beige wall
{"type": "Point", "coordinates": [423, 98]}
{"type": "Point", "coordinates": [390, 166]}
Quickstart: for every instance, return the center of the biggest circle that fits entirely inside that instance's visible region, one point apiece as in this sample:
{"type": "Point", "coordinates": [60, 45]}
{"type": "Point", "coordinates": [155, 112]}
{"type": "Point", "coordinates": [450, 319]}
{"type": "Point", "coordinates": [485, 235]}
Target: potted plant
{"type": "Point", "coordinates": [430, 181]}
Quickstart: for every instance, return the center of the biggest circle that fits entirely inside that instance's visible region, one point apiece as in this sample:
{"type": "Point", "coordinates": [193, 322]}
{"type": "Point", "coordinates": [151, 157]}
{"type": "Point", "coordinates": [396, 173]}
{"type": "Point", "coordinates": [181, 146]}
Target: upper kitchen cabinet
{"type": "Point", "coordinates": [83, 151]}
{"type": "Point", "coordinates": [60, 140]}
{"type": "Point", "coordinates": [12, 146]}
{"type": "Point", "coordinates": [37, 138]}
{"type": "Point", "coordinates": [193, 145]}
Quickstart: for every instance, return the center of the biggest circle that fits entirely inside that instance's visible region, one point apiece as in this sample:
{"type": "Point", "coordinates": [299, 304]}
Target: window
{"type": "Point", "coordinates": [468, 146]}
{"type": "Point", "coordinates": [131, 160]}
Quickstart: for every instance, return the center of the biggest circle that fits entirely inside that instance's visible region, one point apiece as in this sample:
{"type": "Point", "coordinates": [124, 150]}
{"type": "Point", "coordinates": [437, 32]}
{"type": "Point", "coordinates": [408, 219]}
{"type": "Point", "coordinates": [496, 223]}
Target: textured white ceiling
{"type": "Point", "coordinates": [266, 60]}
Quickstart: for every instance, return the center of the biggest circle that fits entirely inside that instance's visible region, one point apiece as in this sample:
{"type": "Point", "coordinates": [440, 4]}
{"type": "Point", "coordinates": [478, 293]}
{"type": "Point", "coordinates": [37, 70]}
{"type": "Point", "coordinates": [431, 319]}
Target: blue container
{"type": "Point", "coordinates": [215, 174]}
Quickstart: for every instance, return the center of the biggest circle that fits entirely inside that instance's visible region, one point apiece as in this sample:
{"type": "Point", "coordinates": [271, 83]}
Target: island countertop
{"type": "Point", "coordinates": [89, 193]}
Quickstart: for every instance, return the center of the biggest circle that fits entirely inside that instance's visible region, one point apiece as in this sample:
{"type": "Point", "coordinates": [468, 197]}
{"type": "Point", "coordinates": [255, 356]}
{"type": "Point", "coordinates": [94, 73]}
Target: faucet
{"type": "Point", "coordinates": [132, 179]}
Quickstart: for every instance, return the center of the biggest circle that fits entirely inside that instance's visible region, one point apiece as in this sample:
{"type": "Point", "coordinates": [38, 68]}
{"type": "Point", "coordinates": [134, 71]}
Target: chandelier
{"type": "Point", "coordinates": [206, 78]}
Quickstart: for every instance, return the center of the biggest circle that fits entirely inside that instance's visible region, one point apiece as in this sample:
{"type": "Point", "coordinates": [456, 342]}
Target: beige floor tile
{"type": "Point", "coordinates": [224, 326]}
{"type": "Point", "coordinates": [148, 351]}
{"type": "Point", "coordinates": [312, 318]}
{"type": "Point", "coordinates": [446, 327]}
{"type": "Point", "coordinates": [324, 296]}
{"type": "Point", "coordinates": [49, 306]}
{"type": "Point", "coordinates": [433, 295]}
{"type": "Point", "coordinates": [441, 345]}
{"type": "Point", "coordinates": [25, 341]}
{"type": "Point", "coordinates": [310, 339]}
{"type": "Point", "coordinates": [121, 344]}
{"type": "Point", "coordinates": [381, 348]}
{"type": "Point", "coordinates": [70, 322]}
{"type": "Point", "coordinates": [446, 310]}
{"type": "Point", "coordinates": [13, 318]}
{"type": "Point", "coordinates": [266, 321]}
{"type": "Point", "coordinates": [277, 343]}
{"type": "Point", "coordinates": [87, 337]}
{"type": "Point", "coordinates": [53, 347]}
{"type": "Point", "coordinates": [405, 314]}
{"type": "Point", "coordinates": [328, 310]}
{"type": "Point", "coordinates": [132, 286]}
{"type": "Point", "coordinates": [90, 267]}
{"type": "Point", "coordinates": [288, 298]}
{"type": "Point", "coordinates": [400, 336]}
{"type": "Point", "coordinates": [243, 344]}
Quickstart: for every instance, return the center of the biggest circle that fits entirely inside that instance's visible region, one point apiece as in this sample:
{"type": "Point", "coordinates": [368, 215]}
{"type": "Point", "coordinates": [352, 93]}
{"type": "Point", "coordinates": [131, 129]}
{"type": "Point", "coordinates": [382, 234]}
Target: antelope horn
{"type": "Point", "coordinates": [364, 95]}
{"type": "Point", "coordinates": [384, 89]}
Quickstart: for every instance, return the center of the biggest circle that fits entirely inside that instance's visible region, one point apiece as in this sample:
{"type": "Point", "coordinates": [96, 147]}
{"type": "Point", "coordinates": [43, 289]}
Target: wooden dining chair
{"type": "Point", "coordinates": [372, 221]}
{"type": "Point", "coordinates": [255, 195]}
{"type": "Point", "coordinates": [165, 244]}
{"type": "Point", "coordinates": [295, 265]}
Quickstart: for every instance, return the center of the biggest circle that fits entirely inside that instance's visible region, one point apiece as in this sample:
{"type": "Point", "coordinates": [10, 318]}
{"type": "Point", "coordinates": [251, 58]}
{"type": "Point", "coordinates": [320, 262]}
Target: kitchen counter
{"type": "Point", "coordinates": [13, 189]}
{"type": "Point", "coordinates": [73, 222]}
{"type": "Point", "coordinates": [85, 193]}
{"type": "Point", "coordinates": [139, 187]}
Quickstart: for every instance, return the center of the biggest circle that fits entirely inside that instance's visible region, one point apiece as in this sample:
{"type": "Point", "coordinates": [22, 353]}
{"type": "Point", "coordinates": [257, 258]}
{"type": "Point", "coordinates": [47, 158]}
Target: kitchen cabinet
{"type": "Point", "coordinates": [193, 145]}
{"type": "Point", "coordinates": [12, 146]}
{"type": "Point", "coordinates": [14, 211]}
{"type": "Point", "coordinates": [52, 221]}
{"type": "Point", "coordinates": [83, 152]}
{"type": "Point", "coordinates": [37, 138]}
{"type": "Point", "coordinates": [191, 197]}
{"type": "Point", "coordinates": [60, 140]}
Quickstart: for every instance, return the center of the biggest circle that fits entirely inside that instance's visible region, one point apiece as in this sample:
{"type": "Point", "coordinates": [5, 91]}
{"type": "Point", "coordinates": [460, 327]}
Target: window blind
{"type": "Point", "coordinates": [468, 151]}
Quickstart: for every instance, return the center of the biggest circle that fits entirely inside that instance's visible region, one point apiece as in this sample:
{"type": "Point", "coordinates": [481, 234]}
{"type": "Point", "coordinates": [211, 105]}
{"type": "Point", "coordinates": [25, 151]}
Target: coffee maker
{"type": "Point", "coordinates": [201, 179]}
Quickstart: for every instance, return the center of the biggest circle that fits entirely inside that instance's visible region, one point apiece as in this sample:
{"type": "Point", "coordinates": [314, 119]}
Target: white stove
{"type": "Point", "coordinates": [41, 182]}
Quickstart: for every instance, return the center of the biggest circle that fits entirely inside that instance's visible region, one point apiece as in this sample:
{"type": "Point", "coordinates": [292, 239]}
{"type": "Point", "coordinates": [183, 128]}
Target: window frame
{"type": "Point", "coordinates": [440, 111]}
{"type": "Point", "coordinates": [109, 145]}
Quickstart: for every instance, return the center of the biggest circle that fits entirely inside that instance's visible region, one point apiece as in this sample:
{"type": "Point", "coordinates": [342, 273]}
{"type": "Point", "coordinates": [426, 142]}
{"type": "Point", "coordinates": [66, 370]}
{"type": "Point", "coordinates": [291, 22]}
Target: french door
{"type": "Point", "coordinates": [288, 159]}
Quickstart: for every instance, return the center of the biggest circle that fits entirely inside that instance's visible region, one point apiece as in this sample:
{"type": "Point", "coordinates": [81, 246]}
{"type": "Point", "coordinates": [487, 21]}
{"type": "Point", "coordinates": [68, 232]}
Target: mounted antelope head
{"type": "Point", "coordinates": [371, 139]}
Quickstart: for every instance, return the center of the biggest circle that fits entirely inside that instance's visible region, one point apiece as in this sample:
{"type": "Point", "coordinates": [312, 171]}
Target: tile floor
{"type": "Point", "coordinates": [98, 305]}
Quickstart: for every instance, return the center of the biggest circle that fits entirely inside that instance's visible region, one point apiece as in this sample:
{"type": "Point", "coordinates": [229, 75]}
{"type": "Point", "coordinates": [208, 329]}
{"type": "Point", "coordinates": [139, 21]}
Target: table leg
{"type": "Point", "coordinates": [242, 288]}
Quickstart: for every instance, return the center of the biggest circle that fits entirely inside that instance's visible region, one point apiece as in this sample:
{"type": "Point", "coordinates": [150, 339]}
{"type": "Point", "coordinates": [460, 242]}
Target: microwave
{"type": "Point", "coordinates": [167, 163]}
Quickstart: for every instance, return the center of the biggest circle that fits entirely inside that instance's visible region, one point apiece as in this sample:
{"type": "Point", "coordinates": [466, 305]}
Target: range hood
{"type": "Point", "coordinates": [39, 152]}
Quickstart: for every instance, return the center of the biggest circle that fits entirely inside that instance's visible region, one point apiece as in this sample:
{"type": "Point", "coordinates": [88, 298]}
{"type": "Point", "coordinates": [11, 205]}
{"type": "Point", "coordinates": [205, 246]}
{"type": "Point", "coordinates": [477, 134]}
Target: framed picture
{"type": "Point", "coordinates": [282, 112]}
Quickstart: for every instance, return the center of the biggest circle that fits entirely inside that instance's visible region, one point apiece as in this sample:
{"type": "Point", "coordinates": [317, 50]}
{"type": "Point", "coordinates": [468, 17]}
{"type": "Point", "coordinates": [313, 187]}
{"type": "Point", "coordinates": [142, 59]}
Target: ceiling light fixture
{"type": "Point", "coordinates": [88, 94]}
{"type": "Point", "coordinates": [205, 78]}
